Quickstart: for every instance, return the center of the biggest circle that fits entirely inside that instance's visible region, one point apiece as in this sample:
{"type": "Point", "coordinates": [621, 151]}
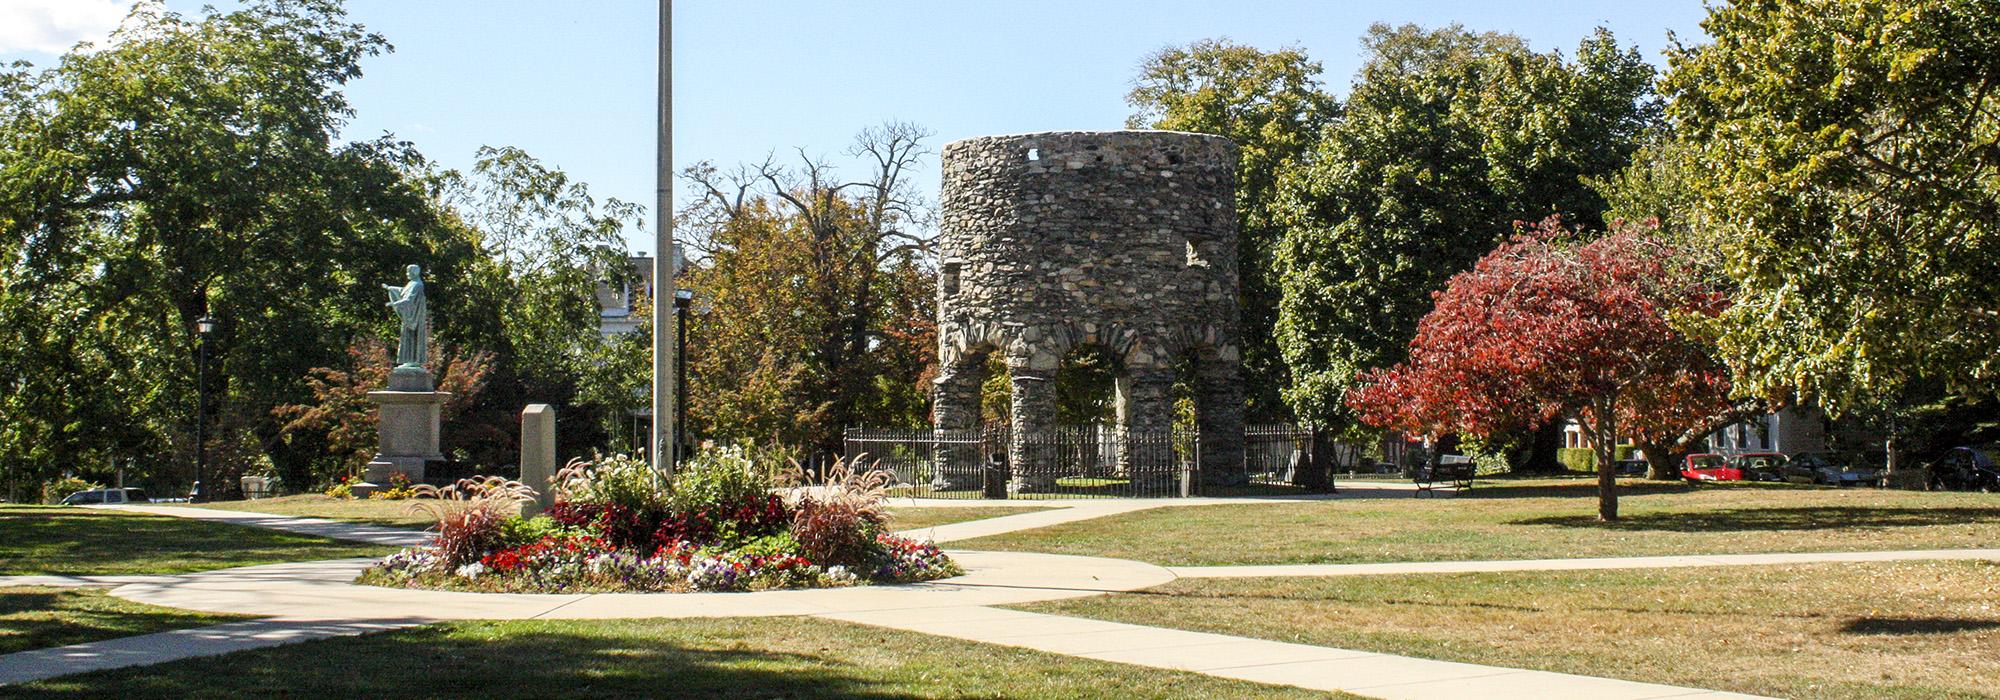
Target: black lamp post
{"type": "Point", "coordinates": [682, 297]}
{"type": "Point", "coordinates": [203, 327]}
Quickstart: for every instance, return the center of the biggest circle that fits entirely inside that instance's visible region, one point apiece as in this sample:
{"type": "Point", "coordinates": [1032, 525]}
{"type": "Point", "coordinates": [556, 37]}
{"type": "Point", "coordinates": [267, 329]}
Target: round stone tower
{"type": "Point", "coordinates": [1125, 240]}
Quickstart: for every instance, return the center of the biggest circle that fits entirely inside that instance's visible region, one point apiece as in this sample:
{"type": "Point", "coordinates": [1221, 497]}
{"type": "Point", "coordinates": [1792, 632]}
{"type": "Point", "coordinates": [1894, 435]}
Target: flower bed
{"type": "Point", "coordinates": [719, 527]}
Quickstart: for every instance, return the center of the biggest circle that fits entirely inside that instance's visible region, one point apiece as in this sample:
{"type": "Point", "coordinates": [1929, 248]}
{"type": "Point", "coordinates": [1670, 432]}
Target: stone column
{"type": "Point", "coordinates": [1030, 454]}
{"type": "Point", "coordinates": [538, 456]}
{"type": "Point", "coordinates": [1219, 417]}
{"type": "Point", "coordinates": [955, 409]}
{"type": "Point", "coordinates": [1145, 413]}
{"type": "Point", "coordinates": [408, 426]}
{"type": "Point", "coordinates": [955, 394]}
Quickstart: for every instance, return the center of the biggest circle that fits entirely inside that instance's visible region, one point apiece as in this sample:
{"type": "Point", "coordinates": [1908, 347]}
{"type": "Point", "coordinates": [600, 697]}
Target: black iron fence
{"type": "Point", "coordinates": [1090, 462]}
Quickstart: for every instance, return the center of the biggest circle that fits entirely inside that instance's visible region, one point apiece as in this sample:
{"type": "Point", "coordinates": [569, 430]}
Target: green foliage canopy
{"type": "Point", "coordinates": [1448, 138]}
{"type": "Point", "coordinates": [1273, 106]}
{"type": "Point", "coordinates": [1851, 171]}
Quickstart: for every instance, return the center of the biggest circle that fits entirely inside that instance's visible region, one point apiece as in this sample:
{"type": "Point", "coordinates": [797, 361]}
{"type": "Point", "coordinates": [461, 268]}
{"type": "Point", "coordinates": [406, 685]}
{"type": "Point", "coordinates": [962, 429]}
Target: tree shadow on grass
{"type": "Point", "coordinates": [39, 618]}
{"type": "Point", "coordinates": [432, 662]}
{"type": "Point", "coordinates": [1778, 519]}
{"type": "Point", "coordinates": [1581, 488]}
{"type": "Point", "coordinates": [1916, 625]}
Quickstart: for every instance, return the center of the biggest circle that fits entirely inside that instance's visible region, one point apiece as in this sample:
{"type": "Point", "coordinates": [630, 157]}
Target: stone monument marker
{"type": "Point", "coordinates": [408, 421]}
{"type": "Point", "coordinates": [538, 456]}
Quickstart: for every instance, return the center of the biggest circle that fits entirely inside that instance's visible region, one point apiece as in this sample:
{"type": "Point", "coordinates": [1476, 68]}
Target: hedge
{"type": "Point", "coordinates": [1578, 459]}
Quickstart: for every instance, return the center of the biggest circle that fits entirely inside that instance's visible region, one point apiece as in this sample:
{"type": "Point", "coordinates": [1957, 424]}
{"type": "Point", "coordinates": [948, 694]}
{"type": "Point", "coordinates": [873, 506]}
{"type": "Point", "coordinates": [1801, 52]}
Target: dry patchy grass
{"type": "Point", "coordinates": [1878, 630]}
{"type": "Point", "coordinates": [1529, 520]}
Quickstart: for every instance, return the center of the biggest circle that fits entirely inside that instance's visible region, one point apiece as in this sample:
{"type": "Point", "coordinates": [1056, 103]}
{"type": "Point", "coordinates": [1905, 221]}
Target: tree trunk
{"type": "Point", "coordinates": [1606, 448]}
{"type": "Point", "coordinates": [1659, 461]}
{"type": "Point", "coordinates": [1892, 462]}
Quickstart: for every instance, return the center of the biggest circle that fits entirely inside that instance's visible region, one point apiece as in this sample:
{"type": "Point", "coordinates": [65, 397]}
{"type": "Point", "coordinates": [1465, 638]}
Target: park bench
{"type": "Point", "coordinates": [1452, 471]}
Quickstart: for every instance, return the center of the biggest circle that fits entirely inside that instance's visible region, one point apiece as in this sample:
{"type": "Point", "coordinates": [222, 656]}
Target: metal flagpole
{"type": "Point", "coordinates": [665, 256]}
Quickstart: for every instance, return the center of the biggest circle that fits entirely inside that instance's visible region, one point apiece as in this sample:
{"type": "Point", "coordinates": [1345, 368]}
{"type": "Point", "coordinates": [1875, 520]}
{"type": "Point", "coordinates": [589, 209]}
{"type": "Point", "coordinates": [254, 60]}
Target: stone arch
{"type": "Point", "coordinates": [1124, 240]}
{"type": "Point", "coordinates": [1215, 369]}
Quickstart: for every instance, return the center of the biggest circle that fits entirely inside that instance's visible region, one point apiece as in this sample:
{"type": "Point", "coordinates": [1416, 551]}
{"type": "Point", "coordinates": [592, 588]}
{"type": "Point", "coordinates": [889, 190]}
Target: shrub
{"type": "Point", "coordinates": [718, 477]}
{"type": "Point", "coordinates": [619, 480]}
{"type": "Point", "coordinates": [755, 516]}
{"type": "Point", "coordinates": [1580, 459]}
{"type": "Point", "coordinates": [343, 487]}
{"type": "Point", "coordinates": [470, 515]}
{"type": "Point", "coordinates": [56, 491]}
{"type": "Point", "coordinates": [398, 490]}
{"type": "Point", "coordinates": [518, 531]}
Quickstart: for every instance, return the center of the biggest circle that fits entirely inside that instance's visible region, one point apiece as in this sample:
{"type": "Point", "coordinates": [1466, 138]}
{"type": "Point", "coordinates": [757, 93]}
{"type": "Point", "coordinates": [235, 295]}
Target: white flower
{"type": "Point", "coordinates": [472, 570]}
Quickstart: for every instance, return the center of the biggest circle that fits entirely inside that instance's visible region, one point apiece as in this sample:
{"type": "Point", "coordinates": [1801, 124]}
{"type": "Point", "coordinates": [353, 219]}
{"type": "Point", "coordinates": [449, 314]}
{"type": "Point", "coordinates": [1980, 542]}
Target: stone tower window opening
{"type": "Point", "coordinates": [950, 276]}
{"type": "Point", "coordinates": [1034, 154]}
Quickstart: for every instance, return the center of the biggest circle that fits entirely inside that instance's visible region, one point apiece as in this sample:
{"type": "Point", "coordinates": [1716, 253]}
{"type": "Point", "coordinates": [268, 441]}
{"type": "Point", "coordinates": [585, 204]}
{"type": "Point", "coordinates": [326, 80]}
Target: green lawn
{"type": "Point", "coordinates": [920, 518]}
{"type": "Point", "coordinates": [314, 505]}
{"type": "Point", "coordinates": [1878, 630]}
{"type": "Point", "coordinates": [1529, 520]}
{"type": "Point", "coordinates": [39, 618]}
{"type": "Point", "coordinates": [735, 658]}
{"type": "Point", "coordinates": [82, 541]}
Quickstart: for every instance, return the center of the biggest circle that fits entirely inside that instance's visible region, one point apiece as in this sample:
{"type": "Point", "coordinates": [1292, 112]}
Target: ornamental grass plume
{"type": "Point", "coordinates": [470, 513]}
{"type": "Point", "coordinates": [836, 519]}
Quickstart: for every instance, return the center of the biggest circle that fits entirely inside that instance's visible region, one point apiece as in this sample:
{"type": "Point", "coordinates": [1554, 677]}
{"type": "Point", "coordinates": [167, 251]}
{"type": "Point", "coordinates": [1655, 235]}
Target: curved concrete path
{"type": "Point", "coordinates": [313, 600]}
{"type": "Point", "coordinates": [325, 590]}
{"type": "Point", "coordinates": [330, 529]}
{"type": "Point", "coordinates": [317, 596]}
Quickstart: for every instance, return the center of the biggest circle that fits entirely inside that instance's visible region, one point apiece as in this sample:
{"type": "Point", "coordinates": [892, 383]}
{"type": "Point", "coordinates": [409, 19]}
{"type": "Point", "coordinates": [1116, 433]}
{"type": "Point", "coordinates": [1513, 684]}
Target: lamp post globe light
{"type": "Point", "coordinates": [203, 328]}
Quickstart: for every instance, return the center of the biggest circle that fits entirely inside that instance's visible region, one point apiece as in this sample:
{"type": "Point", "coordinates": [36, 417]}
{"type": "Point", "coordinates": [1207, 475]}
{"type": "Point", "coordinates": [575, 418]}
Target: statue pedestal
{"type": "Point", "coordinates": [408, 426]}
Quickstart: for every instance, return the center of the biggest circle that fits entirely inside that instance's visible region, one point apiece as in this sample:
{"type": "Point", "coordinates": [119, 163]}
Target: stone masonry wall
{"type": "Point", "coordinates": [1122, 239]}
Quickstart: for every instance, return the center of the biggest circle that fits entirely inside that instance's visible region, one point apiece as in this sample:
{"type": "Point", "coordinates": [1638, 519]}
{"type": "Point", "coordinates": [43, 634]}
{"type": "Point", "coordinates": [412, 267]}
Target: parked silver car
{"type": "Point", "coordinates": [1813, 468]}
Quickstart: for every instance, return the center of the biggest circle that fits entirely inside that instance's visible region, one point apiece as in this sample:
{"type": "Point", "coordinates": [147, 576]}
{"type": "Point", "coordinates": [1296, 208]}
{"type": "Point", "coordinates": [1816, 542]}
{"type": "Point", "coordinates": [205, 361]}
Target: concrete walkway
{"type": "Point", "coordinates": [1666, 562]}
{"type": "Point", "coordinates": [1261, 661]}
{"type": "Point", "coordinates": [325, 590]}
{"type": "Point", "coordinates": [330, 529]}
{"type": "Point", "coordinates": [953, 532]}
{"type": "Point", "coordinates": [1057, 512]}
{"type": "Point", "coordinates": [958, 607]}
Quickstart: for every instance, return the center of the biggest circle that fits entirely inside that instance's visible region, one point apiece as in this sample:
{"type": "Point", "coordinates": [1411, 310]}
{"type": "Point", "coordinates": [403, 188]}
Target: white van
{"type": "Point", "coordinates": [106, 496]}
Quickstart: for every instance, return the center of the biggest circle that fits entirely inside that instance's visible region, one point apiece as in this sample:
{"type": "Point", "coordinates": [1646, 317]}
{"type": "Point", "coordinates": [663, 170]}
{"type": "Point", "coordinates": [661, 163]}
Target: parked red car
{"type": "Point", "coordinates": [1759, 466]}
{"type": "Point", "coordinates": [1708, 466]}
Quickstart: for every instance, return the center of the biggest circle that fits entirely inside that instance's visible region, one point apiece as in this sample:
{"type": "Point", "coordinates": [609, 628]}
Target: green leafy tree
{"type": "Point", "coordinates": [820, 296]}
{"type": "Point", "coordinates": [544, 244]}
{"type": "Point", "coordinates": [1447, 139]}
{"type": "Point", "coordinates": [1272, 105]}
{"type": "Point", "coordinates": [189, 168]}
{"type": "Point", "coordinates": [1850, 174]}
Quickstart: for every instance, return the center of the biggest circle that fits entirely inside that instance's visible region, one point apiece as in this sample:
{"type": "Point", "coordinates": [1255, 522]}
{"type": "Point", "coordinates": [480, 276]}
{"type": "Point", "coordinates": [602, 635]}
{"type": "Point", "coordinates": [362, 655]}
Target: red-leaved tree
{"type": "Point", "coordinates": [1545, 326]}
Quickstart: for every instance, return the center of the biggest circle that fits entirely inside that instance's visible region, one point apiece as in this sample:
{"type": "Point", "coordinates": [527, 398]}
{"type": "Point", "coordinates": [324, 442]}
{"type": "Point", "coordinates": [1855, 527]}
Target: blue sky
{"type": "Point", "coordinates": [572, 82]}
